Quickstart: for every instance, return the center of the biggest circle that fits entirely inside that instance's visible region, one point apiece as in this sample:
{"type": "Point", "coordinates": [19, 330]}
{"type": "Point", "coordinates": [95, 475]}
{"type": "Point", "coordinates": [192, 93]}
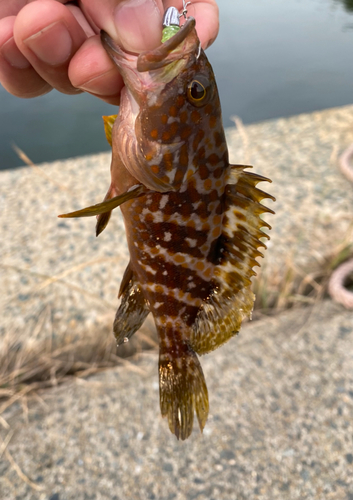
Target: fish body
{"type": "Point", "coordinates": [192, 220]}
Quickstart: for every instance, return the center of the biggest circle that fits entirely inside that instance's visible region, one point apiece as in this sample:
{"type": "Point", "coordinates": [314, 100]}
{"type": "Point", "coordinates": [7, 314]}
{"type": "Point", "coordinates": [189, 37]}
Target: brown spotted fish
{"type": "Point", "coordinates": [193, 221]}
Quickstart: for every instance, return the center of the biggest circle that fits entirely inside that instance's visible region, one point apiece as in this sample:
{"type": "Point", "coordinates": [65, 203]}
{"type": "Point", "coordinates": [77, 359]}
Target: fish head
{"type": "Point", "coordinates": [173, 96]}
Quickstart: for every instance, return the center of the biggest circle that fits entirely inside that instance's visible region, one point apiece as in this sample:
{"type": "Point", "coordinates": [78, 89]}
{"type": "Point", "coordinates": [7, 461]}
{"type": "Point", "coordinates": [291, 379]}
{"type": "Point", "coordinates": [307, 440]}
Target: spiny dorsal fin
{"type": "Point", "coordinates": [108, 126]}
{"type": "Point", "coordinates": [132, 311]}
{"type": "Point", "coordinates": [108, 205]}
{"type": "Point", "coordinates": [222, 314]}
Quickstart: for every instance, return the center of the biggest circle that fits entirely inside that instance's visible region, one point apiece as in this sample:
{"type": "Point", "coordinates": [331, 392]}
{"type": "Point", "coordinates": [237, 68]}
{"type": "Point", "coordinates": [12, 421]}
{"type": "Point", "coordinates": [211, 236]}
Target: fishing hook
{"type": "Point", "coordinates": [185, 10]}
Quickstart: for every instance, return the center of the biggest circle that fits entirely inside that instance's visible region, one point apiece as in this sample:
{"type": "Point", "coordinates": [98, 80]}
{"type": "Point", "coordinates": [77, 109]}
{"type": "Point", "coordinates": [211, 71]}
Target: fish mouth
{"type": "Point", "coordinates": [179, 47]}
{"type": "Point", "coordinates": [169, 51]}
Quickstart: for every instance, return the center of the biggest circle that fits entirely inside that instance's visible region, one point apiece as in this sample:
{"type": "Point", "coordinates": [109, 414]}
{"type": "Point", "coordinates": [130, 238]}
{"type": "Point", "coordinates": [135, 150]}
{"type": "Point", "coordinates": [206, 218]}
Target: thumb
{"type": "Point", "coordinates": [135, 24]}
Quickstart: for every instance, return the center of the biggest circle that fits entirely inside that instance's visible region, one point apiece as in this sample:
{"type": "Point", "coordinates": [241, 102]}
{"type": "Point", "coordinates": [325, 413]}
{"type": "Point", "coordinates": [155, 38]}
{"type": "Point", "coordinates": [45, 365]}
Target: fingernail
{"type": "Point", "coordinates": [138, 25]}
{"type": "Point", "coordinates": [52, 45]}
{"type": "Point", "coordinates": [13, 55]}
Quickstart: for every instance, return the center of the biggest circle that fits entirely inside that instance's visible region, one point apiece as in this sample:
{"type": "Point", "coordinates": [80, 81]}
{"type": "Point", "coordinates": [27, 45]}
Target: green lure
{"type": "Point", "coordinates": [171, 24]}
{"type": "Point", "coordinates": [168, 32]}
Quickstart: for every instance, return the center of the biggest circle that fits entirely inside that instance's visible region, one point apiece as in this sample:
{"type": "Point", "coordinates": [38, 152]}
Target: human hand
{"type": "Point", "coordinates": [46, 44]}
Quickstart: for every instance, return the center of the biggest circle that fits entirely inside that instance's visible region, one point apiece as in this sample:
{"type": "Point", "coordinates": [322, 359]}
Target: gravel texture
{"type": "Point", "coordinates": [280, 425]}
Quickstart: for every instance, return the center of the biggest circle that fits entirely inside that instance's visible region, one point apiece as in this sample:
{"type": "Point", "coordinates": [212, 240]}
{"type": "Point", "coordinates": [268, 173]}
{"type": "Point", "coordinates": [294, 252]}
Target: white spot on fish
{"type": "Point", "coordinates": [164, 201]}
{"type": "Point", "coordinates": [192, 242]}
{"type": "Point", "coordinates": [167, 236]}
{"type": "Point", "coordinates": [158, 216]}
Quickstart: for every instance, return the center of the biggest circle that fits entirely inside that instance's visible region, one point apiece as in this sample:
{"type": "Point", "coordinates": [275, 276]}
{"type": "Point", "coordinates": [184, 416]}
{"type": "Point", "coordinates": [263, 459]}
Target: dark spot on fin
{"type": "Point", "coordinates": [107, 206]}
{"type": "Point", "coordinates": [182, 390]}
{"type": "Point", "coordinates": [132, 311]}
{"type": "Point", "coordinates": [128, 276]}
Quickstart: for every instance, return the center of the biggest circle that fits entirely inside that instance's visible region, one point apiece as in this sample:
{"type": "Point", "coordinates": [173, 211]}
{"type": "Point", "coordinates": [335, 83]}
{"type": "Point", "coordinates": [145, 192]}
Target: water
{"type": "Point", "coordinates": [272, 58]}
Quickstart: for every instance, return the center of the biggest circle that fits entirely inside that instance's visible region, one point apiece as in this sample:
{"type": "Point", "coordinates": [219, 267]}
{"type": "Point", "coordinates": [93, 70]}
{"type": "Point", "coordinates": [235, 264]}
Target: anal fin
{"type": "Point", "coordinates": [108, 205]}
{"type": "Point", "coordinates": [221, 315]}
{"type": "Point", "coordinates": [132, 311]}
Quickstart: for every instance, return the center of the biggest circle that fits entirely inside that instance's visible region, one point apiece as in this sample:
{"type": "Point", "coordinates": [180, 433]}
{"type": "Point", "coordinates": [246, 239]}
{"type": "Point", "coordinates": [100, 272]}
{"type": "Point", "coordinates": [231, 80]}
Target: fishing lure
{"type": "Point", "coordinates": [193, 221]}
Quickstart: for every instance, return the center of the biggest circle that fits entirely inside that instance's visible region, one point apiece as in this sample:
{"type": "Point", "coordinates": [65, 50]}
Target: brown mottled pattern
{"type": "Point", "coordinates": [194, 226]}
{"type": "Point", "coordinates": [193, 246]}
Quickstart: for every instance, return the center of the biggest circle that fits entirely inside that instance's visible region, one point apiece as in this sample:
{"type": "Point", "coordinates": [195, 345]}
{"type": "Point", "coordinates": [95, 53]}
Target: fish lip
{"type": "Point", "coordinates": [165, 53]}
{"type": "Point", "coordinates": [157, 58]}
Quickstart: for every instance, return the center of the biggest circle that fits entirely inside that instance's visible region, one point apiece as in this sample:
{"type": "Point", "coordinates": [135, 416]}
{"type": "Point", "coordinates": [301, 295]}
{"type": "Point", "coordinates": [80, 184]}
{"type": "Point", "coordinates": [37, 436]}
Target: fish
{"type": "Point", "coordinates": [194, 222]}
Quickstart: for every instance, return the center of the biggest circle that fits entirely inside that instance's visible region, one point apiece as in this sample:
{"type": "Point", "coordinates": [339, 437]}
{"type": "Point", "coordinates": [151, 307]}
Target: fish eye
{"type": "Point", "coordinates": [198, 90]}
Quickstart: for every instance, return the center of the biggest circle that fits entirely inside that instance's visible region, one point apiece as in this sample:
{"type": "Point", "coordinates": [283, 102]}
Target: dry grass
{"type": "Point", "coordinates": [46, 363]}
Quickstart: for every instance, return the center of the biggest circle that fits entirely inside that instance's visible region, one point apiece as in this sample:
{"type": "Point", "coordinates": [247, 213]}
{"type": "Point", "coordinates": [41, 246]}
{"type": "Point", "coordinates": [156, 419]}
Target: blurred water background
{"type": "Point", "coordinates": [272, 58]}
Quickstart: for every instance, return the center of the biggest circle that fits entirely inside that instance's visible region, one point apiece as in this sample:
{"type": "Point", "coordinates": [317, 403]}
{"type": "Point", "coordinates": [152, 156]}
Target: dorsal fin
{"type": "Point", "coordinates": [220, 317]}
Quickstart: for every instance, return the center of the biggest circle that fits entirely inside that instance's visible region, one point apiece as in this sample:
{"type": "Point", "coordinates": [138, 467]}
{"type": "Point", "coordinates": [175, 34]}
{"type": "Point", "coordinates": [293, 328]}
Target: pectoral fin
{"type": "Point", "coordinates": [108, 126]}
{"type": "Point", "coordinates": [108, 205]}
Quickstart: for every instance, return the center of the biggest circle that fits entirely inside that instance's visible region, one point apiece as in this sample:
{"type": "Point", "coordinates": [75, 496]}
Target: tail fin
{"type": "Point", "coordinates": [182, 389]}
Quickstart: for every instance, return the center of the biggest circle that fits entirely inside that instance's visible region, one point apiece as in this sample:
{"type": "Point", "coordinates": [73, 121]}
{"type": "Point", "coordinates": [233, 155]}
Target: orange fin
{"type": "Point", "coordinates": [108, 126]}
{"type": "Point", "coordinates": [103, 219]}
{"type": "Point", "coordinates": [108, 205]}
{"type": "Point", "coordinates": [182, 390]}
{"type": "Point", "coordinates": [132, 311]}
{"type": "Point", "coordinates": [220, 317]}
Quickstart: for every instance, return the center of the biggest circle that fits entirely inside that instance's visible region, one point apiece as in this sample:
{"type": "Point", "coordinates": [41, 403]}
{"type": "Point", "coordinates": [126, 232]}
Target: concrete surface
{"type": "Point", "coordinates": [280, 425]}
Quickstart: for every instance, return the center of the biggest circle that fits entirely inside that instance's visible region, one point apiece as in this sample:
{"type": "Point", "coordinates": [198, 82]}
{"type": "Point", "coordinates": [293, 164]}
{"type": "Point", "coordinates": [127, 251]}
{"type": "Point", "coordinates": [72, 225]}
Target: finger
{"type": "Point", "coordinates": [48, 35]}
{"type": "Point", "coordinates": [92, 70]}
{"type": "Point", "coordinates": [13, 7]}
{"type": "Point", "coordinates": [16, 73]}
{"type": "Point", "coordinates": [81, 19]}
{"type": "Point", "coordinates": [10, 8]}
{"type": "Point", "coordinates": [136, 25]}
